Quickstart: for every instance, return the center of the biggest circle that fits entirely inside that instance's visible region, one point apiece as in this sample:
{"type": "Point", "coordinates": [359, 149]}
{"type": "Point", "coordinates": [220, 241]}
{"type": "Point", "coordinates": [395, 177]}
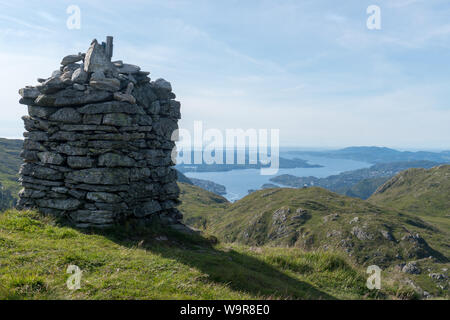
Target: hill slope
{"type": "Point", "coordinates": [158, 263]}
{"type": "Point", "coordinates": [419, 191]}
{"type": "Point", "coordinates": [314, 218]}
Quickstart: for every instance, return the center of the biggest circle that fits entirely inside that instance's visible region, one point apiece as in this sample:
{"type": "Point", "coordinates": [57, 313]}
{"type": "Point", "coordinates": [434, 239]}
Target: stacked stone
{"type": "Point", "coordinates": [98, 145]}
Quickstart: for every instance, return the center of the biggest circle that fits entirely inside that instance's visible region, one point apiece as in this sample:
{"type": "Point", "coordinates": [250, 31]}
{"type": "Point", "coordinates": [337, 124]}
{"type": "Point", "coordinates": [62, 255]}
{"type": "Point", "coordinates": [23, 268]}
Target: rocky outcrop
{"type": "Point", "coordinates": [98, 146]}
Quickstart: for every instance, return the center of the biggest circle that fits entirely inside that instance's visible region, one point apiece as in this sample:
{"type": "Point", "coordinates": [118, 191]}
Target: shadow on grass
{"type": "Point", "coordinates": [238, 271]}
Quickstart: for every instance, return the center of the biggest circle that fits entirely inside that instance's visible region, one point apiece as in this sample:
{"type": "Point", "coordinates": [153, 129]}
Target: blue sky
{"type": "Point", "coordinates": [310, 68]}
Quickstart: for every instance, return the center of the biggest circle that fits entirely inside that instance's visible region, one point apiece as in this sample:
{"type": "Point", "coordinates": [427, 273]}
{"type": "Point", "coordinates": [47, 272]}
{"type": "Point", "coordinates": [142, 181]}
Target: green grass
{"type": "Point", "coordinates": [270, 218]}
{"type": "Point", "coordinates": [128, 263]}
{"type": "Point", "coordinates": [200, 204]}
{"type": "Point", "coordinates": [422, 192]}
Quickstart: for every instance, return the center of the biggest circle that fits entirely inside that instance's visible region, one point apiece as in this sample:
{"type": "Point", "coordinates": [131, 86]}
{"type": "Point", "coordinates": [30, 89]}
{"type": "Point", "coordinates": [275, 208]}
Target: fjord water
{"type": "Point", "coordinates": [239, 182]}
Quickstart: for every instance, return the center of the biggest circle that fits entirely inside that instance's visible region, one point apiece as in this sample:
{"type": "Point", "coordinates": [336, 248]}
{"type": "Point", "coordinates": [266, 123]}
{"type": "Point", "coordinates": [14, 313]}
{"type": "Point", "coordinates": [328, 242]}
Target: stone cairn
{"type": "Point", "coordinates": [98, 146]}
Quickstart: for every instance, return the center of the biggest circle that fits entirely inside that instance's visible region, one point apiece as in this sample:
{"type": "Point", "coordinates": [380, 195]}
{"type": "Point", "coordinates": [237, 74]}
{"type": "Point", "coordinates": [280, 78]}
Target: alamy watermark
{"type": "Point", "coordinates": [374, 280]}
{"type": "Point", "coordinates": [374, 20]}
{"type": "Point", "coordinates": [74, 281]}
{"type": "Point", "coordinates": [74, 19]}
{"type": "Point", "coordinates": [237, 146]}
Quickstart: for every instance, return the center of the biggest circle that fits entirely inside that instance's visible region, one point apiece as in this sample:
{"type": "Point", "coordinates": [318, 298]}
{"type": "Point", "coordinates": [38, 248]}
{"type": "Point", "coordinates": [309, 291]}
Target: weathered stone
{"type": "Point", "coordinates": [80, 76]}
{"type": "Point", "coordinates": [28, 155]}
{"type": "Point", "coordinates": [41, 112]}
{"type": "Point", "coordinates": [72, 97]}
{"type": "Point", "coordinates": [30, 193]}
{"type": "Point", "coordinates": [411, 268]}
{"type": "Point", "coordinates": [93, 217]}
{"type": "Point", "coordinates": [147, 209]}
{"type": "Point", "coordinates": [65, 136]}
{"type": "Point", "coordinates": [40, 172]}
{"type": "Point", "coordinates": [101, 176]}
{"type": "Point", "coordinates": [36, 135]}
{"type": "Point", "coordinates": [87, 127]}
{"type": "Point", "coordinates": [117, 119]}
{"type": "Point", "coordinates": [112, 160]}
{"type": "Point", "coordinates": [33, 145]}
{"type": "Point", "coordinates": [52, 85]}
{"type": "Point", "coordinates": [70, 150]}
{"type": "Point", "coordinates": [387, 235]}
{"type": "Point", "coordinates": [80, 162]}
{"type": "Point", "coordinates": [92, 119]}
{"type": "Point", "coordinates": [361, 234]}
{"type": "Point", "coordinates": [41, 182]}
{"type": "Point", "coordinates": [79, 87]}
{"type": "Point", "coordinates": [128, 68]}
{"type": "Point", "coordinates": [61, 204]}
{"type": "Point", "coordinates": [96, 59]}
{"type": "Point", "coordinates": [111, 107]}
{"type": "Point", "coordinates": [71, 67]}
{"type": "Point", "coordinates": [107, 84]}
{"type": "Point", "coordinates": [66, 115]}
{"type": "Point", "coordinates": [103, 197]}
{"type": "Point", "coordinates": [98, 75]}
{"type": "Point", "coordinates": [71, 59]}
{"type": "Point", "coordinates": [163, 84]}
{"type": "Point", "coordinates": [50, 158]}
{"type": "Point", "coordinates": [29, 92]}
{"type": "Point", "coordinates": [124, 97]}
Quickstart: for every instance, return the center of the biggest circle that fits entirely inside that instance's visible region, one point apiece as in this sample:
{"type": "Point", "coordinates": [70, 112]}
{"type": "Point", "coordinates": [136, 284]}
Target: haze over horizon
{"type": "Point", "coordinates": [317, 74]}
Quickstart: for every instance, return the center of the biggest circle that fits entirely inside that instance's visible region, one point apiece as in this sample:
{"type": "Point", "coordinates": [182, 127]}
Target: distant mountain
{"type": "Point", "coordinates": [420, 191]}
{"type": "Point", "coordinates": [378, 155]}
{"type": "Point", "coordinates": [359, 183]}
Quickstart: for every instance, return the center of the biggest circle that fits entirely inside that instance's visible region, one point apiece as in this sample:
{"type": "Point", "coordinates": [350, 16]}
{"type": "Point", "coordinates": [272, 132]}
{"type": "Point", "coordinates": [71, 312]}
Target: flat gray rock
{"type": "Point", "coordinates": [107, 84]}
{"type": "Point", "coordinates": [71, 97]}
{"type": "Point", "coordinates": [50, 158]}
{"type": "Point", "coordinates": [66, 115]}
{"type": "Point", "coordinates": [29, 92]}
{"type": "Point", "coordinates": [128, 68]}
{"type": "Point", "coordinates": [61, 204]}
{"type": "Point", "coordinates": [112, 160]}
{"type": "Point", "coordinates": [111, 107]}
{"type": "Point", "coordinates": [72, 58]}
{"type": "Point", "coordinates": [100, 176]}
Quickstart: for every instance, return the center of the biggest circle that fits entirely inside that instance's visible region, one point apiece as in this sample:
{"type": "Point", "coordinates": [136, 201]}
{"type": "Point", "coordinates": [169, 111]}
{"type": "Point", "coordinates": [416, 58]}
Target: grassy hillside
{"type": "Point", "coordinates": [366, 187]}
{"type": "Point", "coordinates": [199, 205]}
{"type": "Point", "coordinates": [317, 219]}
{"type": "Point", "coordinates": [158, 263]}
{"type": "Point", "coordinates": [9, 167]}
{"type": "Point", "coordinates": [420, 191]}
